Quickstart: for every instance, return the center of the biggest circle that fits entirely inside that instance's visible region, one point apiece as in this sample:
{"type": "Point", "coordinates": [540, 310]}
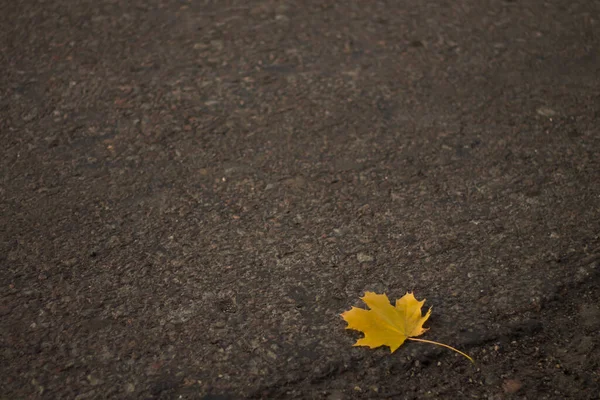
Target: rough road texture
{"type": "Point", "coordinates": [193, 191]}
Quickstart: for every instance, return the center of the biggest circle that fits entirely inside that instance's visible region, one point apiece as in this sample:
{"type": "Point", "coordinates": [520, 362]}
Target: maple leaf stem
{"type": "Point", "coordinates": [443, 345]}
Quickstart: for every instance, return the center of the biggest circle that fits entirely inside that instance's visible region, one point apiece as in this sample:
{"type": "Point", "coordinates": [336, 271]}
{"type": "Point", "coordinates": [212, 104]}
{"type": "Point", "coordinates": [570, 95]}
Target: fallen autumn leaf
{"type": "Point", "coordinates": [386, 325]}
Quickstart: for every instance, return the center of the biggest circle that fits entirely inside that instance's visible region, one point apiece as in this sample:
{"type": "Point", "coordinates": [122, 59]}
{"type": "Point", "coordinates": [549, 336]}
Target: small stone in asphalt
{"type": "Point", "coordinates": [364, 257]}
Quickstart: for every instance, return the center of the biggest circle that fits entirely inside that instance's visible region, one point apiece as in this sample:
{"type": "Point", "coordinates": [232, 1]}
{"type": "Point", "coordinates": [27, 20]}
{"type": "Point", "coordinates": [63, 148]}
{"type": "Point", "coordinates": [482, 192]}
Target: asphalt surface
{"type": "Point", "coordinates": [192, 192]}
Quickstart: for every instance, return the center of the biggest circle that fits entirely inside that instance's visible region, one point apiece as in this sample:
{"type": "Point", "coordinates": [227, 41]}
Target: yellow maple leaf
{"type": "Point", "coordinates": [387, 325]}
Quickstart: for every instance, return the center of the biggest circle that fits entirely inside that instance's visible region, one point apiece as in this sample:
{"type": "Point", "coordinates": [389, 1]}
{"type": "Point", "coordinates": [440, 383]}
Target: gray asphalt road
{"type": "Point", "coordinates": [192, 192]}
